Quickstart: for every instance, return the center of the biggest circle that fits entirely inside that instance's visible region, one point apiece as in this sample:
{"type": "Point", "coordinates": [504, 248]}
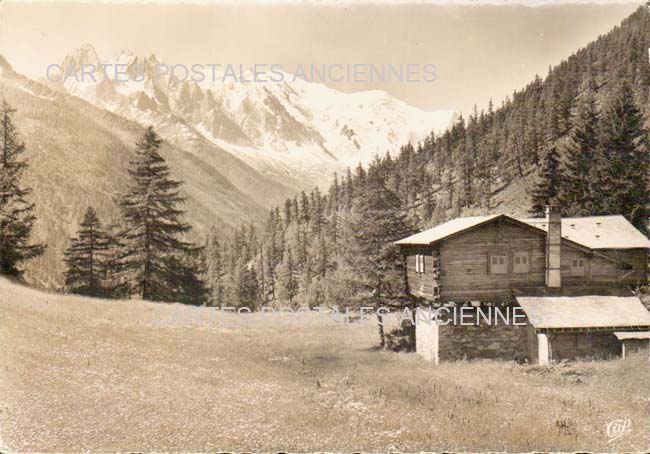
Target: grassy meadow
{"type": "Point", "coordinates": [79, 374]}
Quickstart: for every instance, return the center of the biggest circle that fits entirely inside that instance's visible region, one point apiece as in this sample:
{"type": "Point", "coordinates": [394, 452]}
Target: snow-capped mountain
{"type": "Point", "coordinates": [238, 149]}
{"type": "Point", "coordinates": [293, 131]}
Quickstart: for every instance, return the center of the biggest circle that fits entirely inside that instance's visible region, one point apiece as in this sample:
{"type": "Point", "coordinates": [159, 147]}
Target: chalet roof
{"type": "Point", "coordinates": [593, 232]}
{"type": "Point", "coordinates": [446, 229]}
{"type": "Point", "coordinates": [598, 232]}
{"type": "Point", "coordinates": [584, 311]}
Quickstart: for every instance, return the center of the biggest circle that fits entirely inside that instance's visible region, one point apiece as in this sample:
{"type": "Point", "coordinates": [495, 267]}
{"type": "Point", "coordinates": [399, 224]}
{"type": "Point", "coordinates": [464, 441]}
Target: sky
{"type": "Point", "coordinates": [480, 50]}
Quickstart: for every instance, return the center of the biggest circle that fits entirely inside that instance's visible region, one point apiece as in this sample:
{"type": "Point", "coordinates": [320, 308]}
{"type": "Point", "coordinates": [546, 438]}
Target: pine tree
{"type": "Point", "coordinates": [548, 183]}
{"type": "Point", "coordinates": [304, 208]}
{"type": "Point", "coordinates": [320, 252]}
{"type": "Point", "coordinates": [377, 221]}
{"type": "Point", "coordinates": [182, 274]}
{"type": "Point", "coordinates": [467, 177]}
{"type": "Point", "coordinates": [261, 272]}
{"type": "Point", "coordinates": [333, 196]}
{"type": "Point", "coordinates": [216, 270]}
{"type": "Point", "coordinates": [360, 176]}
{"type": "Point", "coordinates": [86, 258]}
{"type": "Point", "coordinates": [288, 277]}
{"type": "Point", "coordinates": [317, 213]}
{"type": "Point", "coordinates": [428, 205]}
{"type": "Point", "coordinates": [116, 282]}
{"type": "Point", "coordinates": [348, 190]}
{"type": "Point", "coordinates": [155, 256]}
{"type": "Point", "coordinates": [273, 252]}
{"type": "Point", "coordinates": [16, 212]}
{"type": "Point", "coordinates": [248, 288]}
{"type": "Point", "coordinates": [577, 192]}
{"type": "Point", "coordinates": [287, 213]}
{"type": "Point", "coordinates": [624, 160]}
{"type": "Point", "coordinates": [299, 245]}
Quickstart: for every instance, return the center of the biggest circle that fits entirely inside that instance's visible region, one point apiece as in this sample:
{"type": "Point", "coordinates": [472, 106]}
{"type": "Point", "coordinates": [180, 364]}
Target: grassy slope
{"type": "Point", "coordinates": [79, 374]}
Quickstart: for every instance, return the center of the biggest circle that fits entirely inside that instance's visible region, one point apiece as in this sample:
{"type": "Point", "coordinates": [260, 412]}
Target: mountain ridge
{"type": "Point", "coordinates": [298, 133]}
{"type": "Point", "coordinates": [79, 153]}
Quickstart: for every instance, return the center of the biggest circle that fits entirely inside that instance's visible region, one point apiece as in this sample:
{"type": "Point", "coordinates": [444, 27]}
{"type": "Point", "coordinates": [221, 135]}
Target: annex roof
{"type": "Point", "coordinates": [632, 335]}
{"type": "Point", "coordinates": [584, 311]}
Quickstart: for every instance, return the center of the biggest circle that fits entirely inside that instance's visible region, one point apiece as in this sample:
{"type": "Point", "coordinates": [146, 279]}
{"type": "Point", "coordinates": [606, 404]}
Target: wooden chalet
{"type": "Point", "coordinates": [544, 264]}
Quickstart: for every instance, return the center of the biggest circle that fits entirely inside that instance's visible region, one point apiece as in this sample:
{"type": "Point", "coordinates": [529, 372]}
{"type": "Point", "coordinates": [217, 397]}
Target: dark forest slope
{"type": "Point", "coordinates": [485, 163]}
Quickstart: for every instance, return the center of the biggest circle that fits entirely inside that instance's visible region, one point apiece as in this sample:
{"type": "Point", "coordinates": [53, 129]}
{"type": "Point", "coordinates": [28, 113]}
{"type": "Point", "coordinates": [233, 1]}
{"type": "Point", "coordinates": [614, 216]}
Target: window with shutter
{"type": "Point", "coordinates": [498, 264]}
{"type": "Point", "coordinates": [419, 263]}
{"type": "Point", "coordinates": [521, 262]}
{"type": "Point", "coordinates": [578, 267]}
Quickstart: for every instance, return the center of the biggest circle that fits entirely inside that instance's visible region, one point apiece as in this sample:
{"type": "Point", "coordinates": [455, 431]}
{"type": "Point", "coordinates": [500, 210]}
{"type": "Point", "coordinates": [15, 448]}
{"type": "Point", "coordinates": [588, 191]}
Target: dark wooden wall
{"type": "Point", "coordinates": [464, 261]}
{"type": "Point", "coordinates": [597, 269]}
{"type": "Point", "coordinates": [638, 258]}
{"type": "Point", "coordinates": [420, 284]}
{"type": "Point", "coordinates": [465, 268]}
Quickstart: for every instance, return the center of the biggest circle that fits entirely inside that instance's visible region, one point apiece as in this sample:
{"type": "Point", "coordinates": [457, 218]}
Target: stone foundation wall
{"type": "Point", "coordinates": [453, 342]}
{"type": "Point", "coordinates": [484, 341]}
{"type": "Point", "coordinates": [511, 342]}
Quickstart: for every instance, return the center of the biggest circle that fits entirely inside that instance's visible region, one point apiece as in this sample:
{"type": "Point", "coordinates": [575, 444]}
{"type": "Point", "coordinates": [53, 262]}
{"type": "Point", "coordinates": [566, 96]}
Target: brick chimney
{"type": "Point", "coordinates": [553, 246]}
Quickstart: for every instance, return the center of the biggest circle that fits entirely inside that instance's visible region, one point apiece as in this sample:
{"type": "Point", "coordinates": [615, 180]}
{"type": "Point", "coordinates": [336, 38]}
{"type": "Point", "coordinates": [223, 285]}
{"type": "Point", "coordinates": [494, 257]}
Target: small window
{"type": "Point", "coordinates": [419, 263]}
{"type": "Point", "coordinates": [578, 267]}
{"type": "Point", "coordinates": [498, 264]}
{"type": "Point", "coordinates": [521, 262]}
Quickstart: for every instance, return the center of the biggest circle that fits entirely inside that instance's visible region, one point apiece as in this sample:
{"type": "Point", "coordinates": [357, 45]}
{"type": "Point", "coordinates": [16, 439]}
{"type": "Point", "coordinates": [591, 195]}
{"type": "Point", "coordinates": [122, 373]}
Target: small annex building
{"type": "Point", "coordinates": [571, 277]}
{"type": "Point", "coordinates": [586, 326]}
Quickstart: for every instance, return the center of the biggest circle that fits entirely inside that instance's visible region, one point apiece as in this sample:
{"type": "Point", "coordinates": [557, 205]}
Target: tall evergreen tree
{"type": "Point", "coordinates": [155, 255]}
{"type": "Point", "coordinates": [377, 221]}
{"type": "Point", "coordinates": [16, 212]}
{"type": "Point", "coordinates": [86, 258]}
{"type": "Point", "coordinates": [333, 196]}
{"type": "Point", "coordinates": [348, 190]}
{"type": "Point", "coordinates": [624, 160]}
{"type": "Point", "coordinates": [216, 270]}
{"type": "Point", "coordinates": [548, 183]}
{"type": "Point", "coordinates": [116, 283]}
{"type": "Point", "coordinates": [577, 190]}
{"type": "Point", "coordinates": [317, 212]}
{"type": "Point", "coordinates": [248, 288]}
{"type": "Point", "coordinates": [287, 212]}
{"type": "Point", "coordinates": [288, 277]}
